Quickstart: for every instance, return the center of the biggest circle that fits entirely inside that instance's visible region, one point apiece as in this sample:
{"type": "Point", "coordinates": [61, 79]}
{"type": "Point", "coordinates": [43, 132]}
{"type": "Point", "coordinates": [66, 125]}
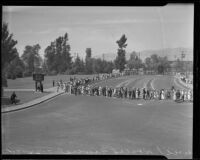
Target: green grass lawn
{"type": "Point", "coordinates": [28, 83]}
{"type": "Point", "coordinates": [23, 96]}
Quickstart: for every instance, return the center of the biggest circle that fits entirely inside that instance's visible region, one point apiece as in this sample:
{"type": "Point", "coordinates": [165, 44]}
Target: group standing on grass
{"type": "Point", "coordinates": [83, 87]}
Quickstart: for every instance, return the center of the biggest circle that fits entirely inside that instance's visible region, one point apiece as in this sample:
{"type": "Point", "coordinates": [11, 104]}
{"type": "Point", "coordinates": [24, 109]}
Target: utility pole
{"type": "Point", "coordinates": [103, 56]}
{"type": "Point", "coordinates": [176, 59]}
{"type": "Point", "coordinates": [182, 56]}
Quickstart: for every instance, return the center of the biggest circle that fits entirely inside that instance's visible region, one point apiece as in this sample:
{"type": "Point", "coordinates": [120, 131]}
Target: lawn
{"type": "Point", "coordinates": [23, 96]}
{"type": "Point", "coordinates": [28, 83]}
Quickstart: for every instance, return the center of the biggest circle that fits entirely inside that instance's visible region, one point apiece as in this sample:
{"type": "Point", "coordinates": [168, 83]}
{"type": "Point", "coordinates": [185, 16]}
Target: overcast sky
{"type": "Point", "coordinates": [170, 26]}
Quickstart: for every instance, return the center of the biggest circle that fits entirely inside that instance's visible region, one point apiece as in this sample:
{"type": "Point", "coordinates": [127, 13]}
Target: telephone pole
{"type": "Point", "coordinates": [182, 56]}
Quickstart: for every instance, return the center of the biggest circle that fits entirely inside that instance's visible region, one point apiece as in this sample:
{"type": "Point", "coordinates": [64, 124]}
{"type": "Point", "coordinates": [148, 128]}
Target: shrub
{"type": "Point", "coordinates": [52, 73]}
{"type": "Point", "coordinates": [27, 74]}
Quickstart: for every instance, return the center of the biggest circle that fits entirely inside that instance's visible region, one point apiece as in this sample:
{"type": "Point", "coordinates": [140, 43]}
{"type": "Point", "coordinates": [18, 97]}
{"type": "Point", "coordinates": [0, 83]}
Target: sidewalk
{"type": "Point", "coordinates": [33, 102]}
{"type": "Point", "coordinates": [47, 90]}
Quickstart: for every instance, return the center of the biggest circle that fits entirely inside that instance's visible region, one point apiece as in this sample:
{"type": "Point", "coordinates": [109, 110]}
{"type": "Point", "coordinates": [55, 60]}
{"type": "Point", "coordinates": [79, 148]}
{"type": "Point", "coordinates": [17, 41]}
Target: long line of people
{"type": "Point", "coordinates": [83, 87]}
{"type": "Point", "coordinates": [128, 93]}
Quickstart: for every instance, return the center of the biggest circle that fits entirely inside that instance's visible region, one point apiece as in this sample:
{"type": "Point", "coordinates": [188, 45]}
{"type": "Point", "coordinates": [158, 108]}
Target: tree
{"type": "Point", "coordinates": [50, 57]}
{"type": "Point", "coordinates": [157, 64]}
{"type": "Point", "coordinates": [31, 58]}
{"type": "Point", "coordinates": [66, 57]}
{"type": "Point", "coordinates": [154, 61]}
{"type": "Point", "coordinates": [45, 67]}
{"type": "Point", "coordinates": [148, 63]}
{"type": "Point", "coordinates": [120, 60]}
{"type": "Point", "coordinates": [160, 69]}
{"type": "Point", "coordinates": [8, 49]}
{"type": "Point", "coordinates": [8, 52]}
{"type": "Point", "coordinates": [77, 66]}
{"type": "Point", "coordinates": [88, 61]}
{"type": "Point", "coordinates": [178, 65]}
{"type": "Point", "coordinates": [88, 53]}
{"type": "Point", "coordinates": [163, 65]}
{"type": "Point", "coordinates": [57, 55]}
{"type": "Point", "coordinates": [97, 65]}
{"type": "Point", "coordinates": [134, 61]}
{"type": "Point", "coordinates": [15, 69]}
{"type": "Point", "coordinates": [109, 66]}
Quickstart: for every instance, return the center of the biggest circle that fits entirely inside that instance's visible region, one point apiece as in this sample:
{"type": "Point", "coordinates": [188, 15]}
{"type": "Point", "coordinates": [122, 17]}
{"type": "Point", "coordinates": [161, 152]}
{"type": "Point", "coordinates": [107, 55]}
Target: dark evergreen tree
{"type": "Point", "coordinates": [8, 52]}
{"type": "Point", "coordinates": [120, 60]}
{"type": "Point", "coordinates": [88, 61]}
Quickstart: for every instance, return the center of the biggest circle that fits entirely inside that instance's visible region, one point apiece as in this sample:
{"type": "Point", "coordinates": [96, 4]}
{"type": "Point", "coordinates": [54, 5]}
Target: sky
{"type": "Point", "coordinates": [99, 28]}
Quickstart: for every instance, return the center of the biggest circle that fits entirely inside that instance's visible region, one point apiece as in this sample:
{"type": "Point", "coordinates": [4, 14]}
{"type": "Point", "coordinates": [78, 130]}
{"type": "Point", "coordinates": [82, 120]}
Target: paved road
{"type": "Point", "coordinates": [99, 125]}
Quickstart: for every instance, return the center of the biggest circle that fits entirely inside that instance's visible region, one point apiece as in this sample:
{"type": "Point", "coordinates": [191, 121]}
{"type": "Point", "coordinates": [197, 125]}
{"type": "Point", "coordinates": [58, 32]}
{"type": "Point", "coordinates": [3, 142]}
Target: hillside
{"type": "Point", "coordinates": [171, 53]}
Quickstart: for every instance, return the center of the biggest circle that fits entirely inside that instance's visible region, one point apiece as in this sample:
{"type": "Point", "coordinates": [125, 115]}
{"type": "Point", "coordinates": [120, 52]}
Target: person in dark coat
{"type": "Point", "coordinates": [133, 93]}
{"type": "Point", "coordinates": [178, 94]}
{"type": "Point", "coordinates": [148, 94]}
{"type": "Point", "coordinates": [129, 94]}
{"type": "Point", "coordinates": [41, 87]}
{"type": "Point", "coordinates": [13, 98]}
{"type": "Point", "coordinates": [144, 93]}
{"type": "Point", "coordinates": [125, 93]}
{"type": "Point", "coordinates": [138, 93]}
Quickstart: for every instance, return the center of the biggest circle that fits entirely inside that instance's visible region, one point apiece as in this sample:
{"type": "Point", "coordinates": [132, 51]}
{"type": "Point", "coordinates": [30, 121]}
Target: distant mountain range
{"type": "Point", "coordinates": [171, 53]}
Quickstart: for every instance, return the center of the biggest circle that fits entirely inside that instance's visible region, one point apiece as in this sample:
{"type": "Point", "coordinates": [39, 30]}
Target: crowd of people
{"type": "Point", "coordinates": [185, 79]}
{"type": "Point", "coordinates": [86, 86]}
{"type": "Point", "coordinates": [74, 81]}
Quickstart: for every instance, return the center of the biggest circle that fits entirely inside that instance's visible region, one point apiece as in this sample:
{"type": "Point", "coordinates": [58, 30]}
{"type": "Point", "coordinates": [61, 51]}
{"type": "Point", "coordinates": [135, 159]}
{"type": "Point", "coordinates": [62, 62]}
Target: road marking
{"type": "Point", "coordinates": [152, 86]}
{"type": "Point", "coordinates": [145, 85]}
{"type": "Point", "coordinates": [125, 83]}
{"type": "Point", "coordinates": [129, 82]}
{"type": "Point", "coordinates": [139, 104]}
{"type": "Point", "coordinates": [120, 84]}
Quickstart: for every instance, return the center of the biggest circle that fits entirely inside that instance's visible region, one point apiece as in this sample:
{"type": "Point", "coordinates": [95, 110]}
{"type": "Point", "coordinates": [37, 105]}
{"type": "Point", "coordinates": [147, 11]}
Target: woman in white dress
{"type": "Point", "coordinates": [114, 92]}
{"type": "Point", "coordinates": [136, 95]}
{"type": "Point", "coordinates": [65, 87]}
{"type": "Point", "coordinates": [100, 90]}
{"type": "Point", "coordinates": [154, 95]}
{"type": "Point", "coordinates": [174, 95]}
{"type": "Point", "coordinates": [185, 95]}
{"type": "Point", "coordinates": [162, 94]}
{"type": "Point", "coordinates": [188, 95]}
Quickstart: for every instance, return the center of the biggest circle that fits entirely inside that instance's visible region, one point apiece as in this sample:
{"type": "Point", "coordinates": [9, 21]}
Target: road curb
{"type": "Point", "coordinates": [17, 108]}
